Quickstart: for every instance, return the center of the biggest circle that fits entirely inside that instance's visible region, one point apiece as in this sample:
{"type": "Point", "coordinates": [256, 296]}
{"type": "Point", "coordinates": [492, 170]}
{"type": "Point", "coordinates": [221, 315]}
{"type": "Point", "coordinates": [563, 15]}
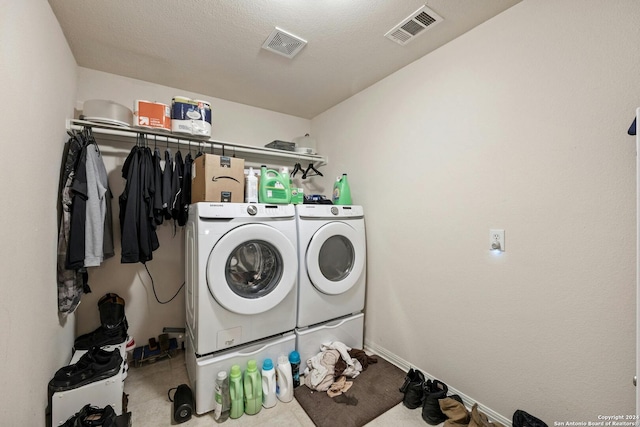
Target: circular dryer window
{"type": "Point", "coordinates": [254, 269]}
{"type": "Point", "coordinates": [336, 258]}
{"type": "Point", "coordinates": [251, 269]}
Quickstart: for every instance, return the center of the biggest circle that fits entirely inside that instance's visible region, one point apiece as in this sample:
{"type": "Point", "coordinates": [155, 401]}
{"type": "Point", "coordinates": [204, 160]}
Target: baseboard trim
{"type": "Point", "coordinates": [405, 365]}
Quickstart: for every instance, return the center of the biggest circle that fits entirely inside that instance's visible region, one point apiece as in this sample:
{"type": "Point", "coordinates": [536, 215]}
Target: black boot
{"type": "Point", "coordinates": [433, 391]}
{"type": "Point", "coordinates": [412, 389]}
{"type": "Point", "coordinates": [113, 328]}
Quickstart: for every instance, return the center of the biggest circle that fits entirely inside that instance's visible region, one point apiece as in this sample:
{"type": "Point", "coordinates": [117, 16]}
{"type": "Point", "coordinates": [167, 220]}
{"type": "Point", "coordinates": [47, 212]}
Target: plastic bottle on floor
{"type": "Point", "coordinates": [252, 389]}
{"type": "Point", "coordinates": [294, 359]}
{"type": "Point", "coordinates": [284, 380]}
{"type": "Point", "coordinates": [269, 398]}
{"type": "Point", "coordinates": [223, 398]}
{"type": "Point", "coordinates": [236, 390]}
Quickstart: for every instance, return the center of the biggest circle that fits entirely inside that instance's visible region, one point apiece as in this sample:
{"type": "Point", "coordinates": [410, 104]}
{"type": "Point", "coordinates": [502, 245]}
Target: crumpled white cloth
{"type": "Point", "coordinates": [354, 367]}
{"type": "Point", "coordinates": [315, 370]}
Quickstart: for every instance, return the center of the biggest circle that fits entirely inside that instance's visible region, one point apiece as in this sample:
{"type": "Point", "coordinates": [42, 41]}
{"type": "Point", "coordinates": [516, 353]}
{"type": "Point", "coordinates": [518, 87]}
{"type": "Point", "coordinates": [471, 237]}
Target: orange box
{"type": "Point", "coordinates": [152, 115]}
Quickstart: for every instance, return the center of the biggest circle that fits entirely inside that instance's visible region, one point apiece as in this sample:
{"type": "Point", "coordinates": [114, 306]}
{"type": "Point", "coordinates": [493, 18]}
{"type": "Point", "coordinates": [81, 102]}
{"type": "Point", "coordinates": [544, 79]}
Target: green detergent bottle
{"type": "Point", "coordinates": [273, 187]}
{"type": "Point", "coordinates": [236, 390]}
{"type": "Point", "coordinates": [341, 191]}
{"type": "Point", "coordinates": [252, 389]}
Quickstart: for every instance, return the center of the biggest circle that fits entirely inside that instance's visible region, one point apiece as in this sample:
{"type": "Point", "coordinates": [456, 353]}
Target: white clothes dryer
{"type": "Point", "coordinates": [240, 273]}
{"type": "Point", "coordinates": [332, 262]}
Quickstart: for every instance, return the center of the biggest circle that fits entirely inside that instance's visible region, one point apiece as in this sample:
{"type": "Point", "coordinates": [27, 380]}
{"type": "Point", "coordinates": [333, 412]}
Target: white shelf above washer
{"type": "Point", "coordinates": [122, 133]}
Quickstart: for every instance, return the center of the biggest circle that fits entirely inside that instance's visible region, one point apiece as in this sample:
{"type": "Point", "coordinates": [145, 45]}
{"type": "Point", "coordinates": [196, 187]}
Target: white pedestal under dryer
{"type": "Point", "coordinates": [332, 262]}
{"type": "Point", "coordinates": [240, 272]}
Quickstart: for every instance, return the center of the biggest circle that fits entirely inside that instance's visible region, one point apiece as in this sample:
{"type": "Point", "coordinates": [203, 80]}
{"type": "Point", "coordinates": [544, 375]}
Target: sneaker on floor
{"type": "Point", "coordinates": [95, 365]}
{"type": "Point", "coordinates": [433, 391]}
{"type": "Point", "coordinates": [413, 389]}
{"type": "Point", "coordinates": [90, 416]}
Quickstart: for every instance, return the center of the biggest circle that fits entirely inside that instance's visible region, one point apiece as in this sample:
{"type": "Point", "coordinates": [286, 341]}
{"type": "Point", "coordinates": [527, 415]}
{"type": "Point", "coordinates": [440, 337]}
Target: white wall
{"type": "Point", "coordinates": [232, 122]}
{"type": "Point", "coordinates": [519, 124]}
{"type": "Point", "coordinates": [38, 81]}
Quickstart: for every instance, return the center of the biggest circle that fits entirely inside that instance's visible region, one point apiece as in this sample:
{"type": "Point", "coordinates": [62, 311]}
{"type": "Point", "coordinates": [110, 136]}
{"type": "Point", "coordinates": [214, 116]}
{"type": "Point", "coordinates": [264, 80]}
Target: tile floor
{"type": "Point", "coordinates": [147, 387]}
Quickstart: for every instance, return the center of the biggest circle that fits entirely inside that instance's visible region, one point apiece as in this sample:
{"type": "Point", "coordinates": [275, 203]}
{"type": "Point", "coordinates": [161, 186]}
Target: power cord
{"type": "Point", "coordinates": [153, 286]}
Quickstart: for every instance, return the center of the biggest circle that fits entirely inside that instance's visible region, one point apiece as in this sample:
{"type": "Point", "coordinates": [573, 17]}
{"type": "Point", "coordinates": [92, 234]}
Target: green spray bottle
{"type": "Point", "coordinates": [341, 191]}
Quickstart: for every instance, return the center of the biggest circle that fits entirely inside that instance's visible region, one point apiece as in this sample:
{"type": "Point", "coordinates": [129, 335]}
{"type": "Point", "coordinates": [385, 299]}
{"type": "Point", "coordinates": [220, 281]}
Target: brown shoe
{"type": "Point", "coordinates": [478, 419]}
{"type": "Point", "coordinates": [454, 409]}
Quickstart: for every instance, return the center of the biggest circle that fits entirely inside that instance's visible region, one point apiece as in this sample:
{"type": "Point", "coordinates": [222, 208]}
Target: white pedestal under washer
{"type": "Point", "coordinates": [240, 272]}
{"type": "Point", "coordinates": [332, 262]}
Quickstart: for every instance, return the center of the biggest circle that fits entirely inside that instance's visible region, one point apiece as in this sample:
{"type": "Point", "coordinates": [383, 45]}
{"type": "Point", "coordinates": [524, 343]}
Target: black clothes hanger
{"type": "Point", "coordinates": [296, 168]}
{"type": "Point", "coordinates": [310, 169]}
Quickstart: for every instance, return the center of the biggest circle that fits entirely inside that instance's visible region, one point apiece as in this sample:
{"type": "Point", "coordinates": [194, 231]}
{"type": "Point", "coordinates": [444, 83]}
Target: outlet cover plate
{"type": "Point", "coordinates": [496, 236]}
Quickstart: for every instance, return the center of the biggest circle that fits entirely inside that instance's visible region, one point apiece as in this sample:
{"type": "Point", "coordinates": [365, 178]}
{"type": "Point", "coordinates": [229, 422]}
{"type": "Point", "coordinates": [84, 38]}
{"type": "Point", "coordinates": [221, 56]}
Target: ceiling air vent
{"type": "Point", "coordinates": [414, 25]}
{"type": "Point", "coordinates": [284, 43]}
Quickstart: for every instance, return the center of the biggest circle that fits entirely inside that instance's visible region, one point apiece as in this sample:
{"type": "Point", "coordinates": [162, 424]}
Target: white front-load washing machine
{"type": "Point", "coordinates": [240, 272]}
{"type": "Point", "coordinates": [332, 262]}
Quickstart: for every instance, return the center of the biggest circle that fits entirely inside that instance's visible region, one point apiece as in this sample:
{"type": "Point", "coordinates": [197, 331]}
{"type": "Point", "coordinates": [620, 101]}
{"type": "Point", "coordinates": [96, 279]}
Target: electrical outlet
{"type": "Point", "coordinates": [496, 240]}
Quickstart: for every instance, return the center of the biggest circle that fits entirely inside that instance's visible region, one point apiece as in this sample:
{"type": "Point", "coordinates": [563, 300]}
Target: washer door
{"type": "Point", "coordinates": [335, 258]}
{"type": "Point", "coordinates": [251, 269]}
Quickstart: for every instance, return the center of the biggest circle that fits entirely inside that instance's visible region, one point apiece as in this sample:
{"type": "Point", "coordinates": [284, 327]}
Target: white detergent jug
{"type": "Point", "coordinates": [284, 380]}
{"type": "Point", "coordinates": [269, 398]}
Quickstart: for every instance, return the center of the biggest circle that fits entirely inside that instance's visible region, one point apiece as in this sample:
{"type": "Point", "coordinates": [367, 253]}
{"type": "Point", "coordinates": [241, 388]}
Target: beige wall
{"type": "Point", "coordinates": [232, 122]}
{"type": "Point", "coordinates": [519, 124]}
{"type": "Point", "coordinates": [38, 80]}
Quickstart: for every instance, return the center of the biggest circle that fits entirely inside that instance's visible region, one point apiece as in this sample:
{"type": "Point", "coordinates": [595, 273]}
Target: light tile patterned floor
{"type": "Point", "coordinates": [147, 387]}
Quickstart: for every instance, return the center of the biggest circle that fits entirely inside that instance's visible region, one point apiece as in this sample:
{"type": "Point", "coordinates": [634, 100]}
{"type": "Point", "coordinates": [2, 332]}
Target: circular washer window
{"type": "Point", "coordinates": [336, 258]}
{"type": "Point", "coordinates": [253, 269]}
{"type": "Point", "coordinates": [259, 261]}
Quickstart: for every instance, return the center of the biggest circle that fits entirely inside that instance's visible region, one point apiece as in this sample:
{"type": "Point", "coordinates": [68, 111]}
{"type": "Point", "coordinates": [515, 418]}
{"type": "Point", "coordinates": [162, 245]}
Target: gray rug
{"type": "Point", "coordinates": [374, 392]}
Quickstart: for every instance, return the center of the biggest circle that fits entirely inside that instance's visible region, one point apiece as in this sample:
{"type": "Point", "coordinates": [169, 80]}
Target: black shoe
{"type": "Point", "coordinates": [92, 416]}
{"type": "Point", "coordinates": [412, 389]}
{"type": "Point", "coordinates": [95, 365]}
{"type": "Point", "coordinates": [100, 338]}
{"type": "Point", "coordinates": [431, 413]}
{"type": "Point", "coordinates": [113, 328]}
{"type": "Point", "coordinates": [523, 419]}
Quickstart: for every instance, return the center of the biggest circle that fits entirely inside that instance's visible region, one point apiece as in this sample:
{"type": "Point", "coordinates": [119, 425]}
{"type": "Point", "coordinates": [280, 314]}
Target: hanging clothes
{"type": "Point", "coordinates": [137, 224]}
{"type": "Point", "coordinates": [85, 237]}
{"type": "Point", "coordinates": [69, 281]}
{"type": "Point", "coordinates": [96, 206]}
{"type": "Point", "coordinates": [158, 215]}
{"type": "Point", "coordinates": [76, 249]}
{"type": "Point", "coordinates": [185, 194]}
{"type": "Point", "coordinates": [176, 185]}
{"type": "Point", "coordinates": [167, 177]}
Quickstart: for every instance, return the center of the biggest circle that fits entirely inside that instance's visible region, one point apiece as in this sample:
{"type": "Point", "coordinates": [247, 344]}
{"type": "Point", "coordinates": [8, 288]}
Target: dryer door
{"type": "Point", "coordinates": [335, 258]}
{"type": "Point", "coordinates": [251, 269]}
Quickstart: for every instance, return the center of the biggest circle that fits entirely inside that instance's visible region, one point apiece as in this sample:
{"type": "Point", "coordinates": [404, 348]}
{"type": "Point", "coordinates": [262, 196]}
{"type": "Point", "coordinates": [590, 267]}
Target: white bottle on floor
{"type": "Point", "coordinates": [269, 398]}
{"type": "Point", "coordinates": [284, 380]}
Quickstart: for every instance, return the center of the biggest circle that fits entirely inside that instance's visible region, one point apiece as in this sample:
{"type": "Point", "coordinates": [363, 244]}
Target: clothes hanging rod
{"type": "Point", "coordinates": [129, 132]}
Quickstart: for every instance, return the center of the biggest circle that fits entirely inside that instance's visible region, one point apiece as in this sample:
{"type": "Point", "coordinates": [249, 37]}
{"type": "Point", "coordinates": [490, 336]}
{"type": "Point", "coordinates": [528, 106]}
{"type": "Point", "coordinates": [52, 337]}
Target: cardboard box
{"type": "Point", "coordinates": [217, 179]}
{"type": "Point", "coordinates": [153, 115]}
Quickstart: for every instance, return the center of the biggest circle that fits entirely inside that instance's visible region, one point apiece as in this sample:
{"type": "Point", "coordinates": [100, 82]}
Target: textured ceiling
{"type": "Point", "coordinates": [213, 47]}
